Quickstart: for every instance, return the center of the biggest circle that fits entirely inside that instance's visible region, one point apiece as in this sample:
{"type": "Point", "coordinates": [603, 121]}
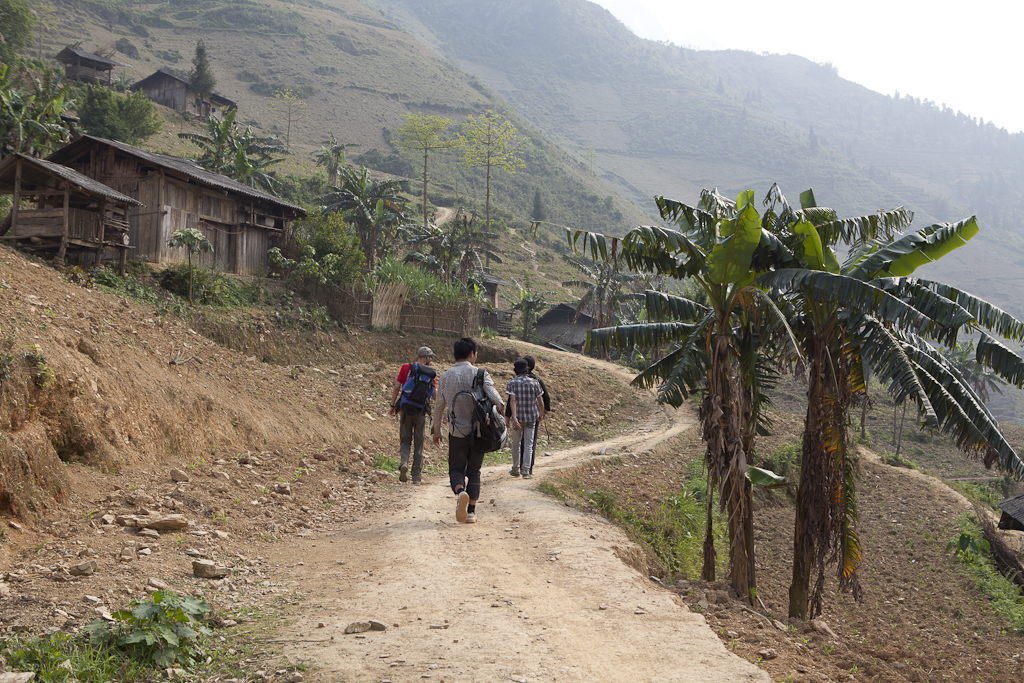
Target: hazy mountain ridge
{"type": "Point", "coordinates": [662, 119]}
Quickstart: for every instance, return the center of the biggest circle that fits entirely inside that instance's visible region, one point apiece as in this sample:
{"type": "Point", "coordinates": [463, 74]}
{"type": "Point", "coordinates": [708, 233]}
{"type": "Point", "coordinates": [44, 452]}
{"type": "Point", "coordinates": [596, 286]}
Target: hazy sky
{"type": "Point", "coordinates": [963, 54]}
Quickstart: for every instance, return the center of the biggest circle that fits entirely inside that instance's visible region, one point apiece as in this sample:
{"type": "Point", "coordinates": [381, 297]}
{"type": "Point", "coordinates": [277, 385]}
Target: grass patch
{"type": "Point", "coordinates": [674, 530]}
{"type": "Point", "coordinates": [974, 552]}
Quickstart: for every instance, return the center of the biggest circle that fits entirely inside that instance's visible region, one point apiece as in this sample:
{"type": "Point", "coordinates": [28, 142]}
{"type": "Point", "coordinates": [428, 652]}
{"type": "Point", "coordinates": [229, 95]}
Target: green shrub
{"type": "Point", "coordinates": [127, 118]}
{"type": "Point", "coordinates": [162, 631]}
{"type": "Point", "coordinates": [785, 461]}
{"type": "Point", "coordinates": [974, 552]}
{"type": "Point", "coordinates": [85, 662]}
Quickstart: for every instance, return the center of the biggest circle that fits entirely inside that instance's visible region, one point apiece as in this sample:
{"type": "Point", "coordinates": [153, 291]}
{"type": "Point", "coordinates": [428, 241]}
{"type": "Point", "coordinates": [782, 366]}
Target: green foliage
{"type": "Point", "coordinates": [975, 553]}
{"type": "Point", "coordinates": [424, 288]}
{"type": "Point", "coordinates": [46, 656]}
{"type": "Point", "coordinates": [332, 157]}
{"type": "Point", "coordinates": [529, 304]}
{"type": "Point", "coordinates": [237, 154]}
{"type": "Point", "coordinates": [374, 208]}
{"type": "Point", "coordinates": [454, 251]}
{"type": "Point", "coordinates": [30, 112]}
{"type": "Point", "coordinates": [784, 461]}
{"type": "Point", "coordinates": [16, 24]}
{"type": "Point", "coordinates": [201, 76]}
{"type": "Point", "coordinates": [490, 141]}
{"type": "Point", "coordinates": [423, 134]}
{"type": "Point", "coordinates": [42, 373]}
{"type": "Point", "coordinates": [162, 631]}
{"type": "Point", "coordinates": [252, 17]}
{"type": "Point", "coordinates": [127, 118]}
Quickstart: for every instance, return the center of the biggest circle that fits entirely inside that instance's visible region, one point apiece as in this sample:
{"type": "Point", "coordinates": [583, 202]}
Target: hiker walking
{"type": "Point", "coordinates": [546, 396]}
{"type": "Point", "coordinates": [465, 449]}
{"type": "Point", "coordinates": [526, 404]}
{"type": "Point", "coordinates": [410, 397]}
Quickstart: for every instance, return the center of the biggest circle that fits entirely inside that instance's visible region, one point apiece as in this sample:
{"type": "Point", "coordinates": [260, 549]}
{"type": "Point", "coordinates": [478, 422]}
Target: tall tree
{"type": "Point", "coordinates": [370, 206]}
{"type": "Point", "coordinates": [16, 22]}
{"type": "Point", "coordinates": [538, 214]}
{"type": "Point", "coordinates": [201, 76]}
{"type": "Point", "coordinates": [424, 134]}
{"type": "Point", "coordinates": [490, 141]}
{"type": "Point", "coordinates": [720, 349]}
{"type": "Point", "coordinates": [868, 312]}
{"type": "Point", "coordinates": [290, 108]}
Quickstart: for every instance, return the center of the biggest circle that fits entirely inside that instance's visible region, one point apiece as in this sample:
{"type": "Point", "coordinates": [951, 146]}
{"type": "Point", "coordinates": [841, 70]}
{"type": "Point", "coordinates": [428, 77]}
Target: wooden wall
{"type": "Point", "coordinates": [172, 204]}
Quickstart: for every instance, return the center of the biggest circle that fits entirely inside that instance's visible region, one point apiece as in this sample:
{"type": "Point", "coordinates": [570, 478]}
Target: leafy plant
{"type": "Point", "coordinates": [163, 630]}
{"type": "Point", "coordinates": [196, 242]}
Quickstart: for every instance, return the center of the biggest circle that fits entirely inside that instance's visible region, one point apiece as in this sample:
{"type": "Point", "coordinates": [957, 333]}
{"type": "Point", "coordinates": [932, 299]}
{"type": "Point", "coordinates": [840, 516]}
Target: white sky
{"type": "Point", "coordinates": [962, 54]}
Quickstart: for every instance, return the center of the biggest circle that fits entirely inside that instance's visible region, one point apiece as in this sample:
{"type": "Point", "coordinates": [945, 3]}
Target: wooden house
{"type": "Point", "coordinates": [499, 320]}
{"type": "Point", "coordinates": [565, 326]}
{"type": "Point", "coordinates": [175, 92]}
{"type": "Point", "coordinates": [80, 65]}
{"type": "Point", "coordinates": [71, 212]}
{"type": "Point", "coordinates": [239, 221]}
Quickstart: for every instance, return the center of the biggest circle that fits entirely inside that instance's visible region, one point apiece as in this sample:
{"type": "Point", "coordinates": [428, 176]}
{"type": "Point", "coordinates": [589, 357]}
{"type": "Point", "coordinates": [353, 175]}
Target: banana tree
{"type": "Point", "coordinates": [718, 349]}
{"type": "Point", "coordinates": [372, 207]}
{"type": "Point", "coordinates": [868, 312]}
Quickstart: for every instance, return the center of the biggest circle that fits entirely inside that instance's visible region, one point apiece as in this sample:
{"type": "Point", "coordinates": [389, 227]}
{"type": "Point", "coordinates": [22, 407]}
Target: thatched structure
{"type": "Point", "coordinates": [564, 326]}
{"type": "Point", "coordinates": [175, 92]}
{"type": "Point", "coordinates": [80, 65]}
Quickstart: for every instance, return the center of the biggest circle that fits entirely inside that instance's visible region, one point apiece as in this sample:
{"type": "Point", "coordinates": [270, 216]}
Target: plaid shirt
{"type": "Point", "coordinates": [526, 390]}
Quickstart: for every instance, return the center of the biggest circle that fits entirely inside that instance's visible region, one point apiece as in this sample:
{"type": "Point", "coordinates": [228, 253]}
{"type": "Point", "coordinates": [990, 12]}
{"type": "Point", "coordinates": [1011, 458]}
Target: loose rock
{"type": "Point", "coordinates": [207, 569]}
{"type": "Point", "coordinates": [87, 568]}
{"type": "Point", "coordinates": [358, 627]}
{"type": "Point", "coordinates": [179, 476]}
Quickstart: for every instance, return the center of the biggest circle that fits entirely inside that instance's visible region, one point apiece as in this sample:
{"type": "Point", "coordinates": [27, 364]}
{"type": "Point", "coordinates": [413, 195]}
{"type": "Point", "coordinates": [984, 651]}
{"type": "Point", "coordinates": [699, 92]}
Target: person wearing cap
{"type": "Point", "coordinates": [410, 427]}
{"type": "Point", "coordinates": [527, 409]}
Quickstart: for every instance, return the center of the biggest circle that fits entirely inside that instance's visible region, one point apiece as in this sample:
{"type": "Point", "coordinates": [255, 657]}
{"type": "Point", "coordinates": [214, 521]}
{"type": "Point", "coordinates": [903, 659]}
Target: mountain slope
{"type": "Point", "coordinates": [669, 120]}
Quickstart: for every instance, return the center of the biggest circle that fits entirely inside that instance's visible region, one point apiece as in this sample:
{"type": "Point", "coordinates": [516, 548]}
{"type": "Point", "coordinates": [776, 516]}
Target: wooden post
{"type": "Point", "coordinates": [17, 195]}
{"type": "Point", "coordinates": [103, 230]}
{"type": "Point", "coordinates": [64, 223]}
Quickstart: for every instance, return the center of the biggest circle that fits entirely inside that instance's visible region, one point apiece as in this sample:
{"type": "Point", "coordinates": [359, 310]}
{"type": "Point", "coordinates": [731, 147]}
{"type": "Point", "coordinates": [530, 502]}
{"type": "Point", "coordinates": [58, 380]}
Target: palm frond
{"type": "Point", "coordinates": [664, 307]}
{"type": "Point", "coordinates": [854, 295]}
{"type": "Point", "coordinates": [988, 316]}
{"type": "Point", "coordinates": [644, 335]}
{"type": "Point", "coordinates": [905, 255]}
{"type": "Point", "coordinates": [1002, 360]}
{"type": "Point", "coordinates": [882, 225]}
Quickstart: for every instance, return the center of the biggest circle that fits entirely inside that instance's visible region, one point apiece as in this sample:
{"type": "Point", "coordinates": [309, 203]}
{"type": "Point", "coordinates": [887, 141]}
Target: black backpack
{"type": "Point", "coordinates": [489, 432]}
{"type": "Point", "coordinates": [417, 390]}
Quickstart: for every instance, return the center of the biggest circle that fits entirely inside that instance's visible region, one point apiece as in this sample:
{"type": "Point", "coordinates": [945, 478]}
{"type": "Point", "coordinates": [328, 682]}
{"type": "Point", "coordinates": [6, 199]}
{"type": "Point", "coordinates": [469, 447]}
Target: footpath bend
{"type": "Point", "coordinates": [535, 591]}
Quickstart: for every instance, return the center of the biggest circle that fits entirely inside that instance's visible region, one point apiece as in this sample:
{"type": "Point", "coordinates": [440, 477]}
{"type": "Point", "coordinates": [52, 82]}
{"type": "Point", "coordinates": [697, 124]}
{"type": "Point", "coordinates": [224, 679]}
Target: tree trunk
{"type": "Point", "coordinates": [864, 404]}
{"type": "Point", "coordinates": [424, 189]}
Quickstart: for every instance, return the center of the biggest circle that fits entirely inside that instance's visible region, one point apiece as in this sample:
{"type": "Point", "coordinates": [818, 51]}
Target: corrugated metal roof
{"type": "Point", "coordinates": [41, 166]}
{"type": "Point", "coordinates": [184, 166]}
{"type": "Point", "coordinates": [82, 54]}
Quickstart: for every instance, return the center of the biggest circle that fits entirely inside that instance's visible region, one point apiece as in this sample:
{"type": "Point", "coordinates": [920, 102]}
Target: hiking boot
{"type": "Point", "coordinates": [471, 518]}
{"type": "Point", "coordinates": [528, 475]}
{"type": "Point", "coordinates": [417, 482]}
{"type": "Point", "coordinates": [514, 471]}
{"type": "Point", "coordinates": [461, 507]}
{"type": "Point", "coordinates": [403, 473]}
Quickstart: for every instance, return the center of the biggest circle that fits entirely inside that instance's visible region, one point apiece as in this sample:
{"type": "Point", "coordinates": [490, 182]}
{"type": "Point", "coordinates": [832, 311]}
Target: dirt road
{"type": "Point", "coordinates": [535, 591]}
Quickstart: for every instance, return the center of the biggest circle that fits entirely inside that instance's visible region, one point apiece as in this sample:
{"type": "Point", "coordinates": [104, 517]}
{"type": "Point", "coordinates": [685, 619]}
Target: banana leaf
{"type": "Point", "coordinates": [729, 261]}
{"type": "Point", "coordinates": [764, 478]}
{"type": "Point", "coordinates": [906, 254]}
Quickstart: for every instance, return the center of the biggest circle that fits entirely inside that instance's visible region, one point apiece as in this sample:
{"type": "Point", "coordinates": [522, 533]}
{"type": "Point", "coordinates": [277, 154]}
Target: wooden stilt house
{"type": "Point", "coordinates": [71, 212]}
{"type": "Point", "coordinates": [240, 222]}
{"type": "Point", "coordinates": [80, 65]}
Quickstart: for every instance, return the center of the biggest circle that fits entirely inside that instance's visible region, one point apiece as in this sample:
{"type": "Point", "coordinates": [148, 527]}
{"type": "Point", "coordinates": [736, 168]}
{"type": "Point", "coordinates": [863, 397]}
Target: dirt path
{"type": "Point", "coordinates": [535, 591]}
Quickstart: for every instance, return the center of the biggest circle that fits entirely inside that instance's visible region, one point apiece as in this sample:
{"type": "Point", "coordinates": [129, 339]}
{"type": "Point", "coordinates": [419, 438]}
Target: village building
{"type": "Point", "coordinates": [564, 327]}
{"type": "Point", "coordinates": [175, 92]}
{"type": "Point", "coordinates": [71, 213]}
{"type": "Point", "coordinates": [499, 320]}
{"type": "Point", "coordinates": [240, 222]}
{"type": "Point", "coordinates": [80, 65]}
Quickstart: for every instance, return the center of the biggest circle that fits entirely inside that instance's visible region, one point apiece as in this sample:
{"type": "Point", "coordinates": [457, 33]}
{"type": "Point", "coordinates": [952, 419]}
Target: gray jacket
{"type": "Point", "coordinates": [459, 377]}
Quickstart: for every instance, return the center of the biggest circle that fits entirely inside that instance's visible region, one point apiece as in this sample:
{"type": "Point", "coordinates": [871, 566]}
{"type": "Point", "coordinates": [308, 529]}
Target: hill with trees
{"type": "Point", "coordinates": [657, 118]}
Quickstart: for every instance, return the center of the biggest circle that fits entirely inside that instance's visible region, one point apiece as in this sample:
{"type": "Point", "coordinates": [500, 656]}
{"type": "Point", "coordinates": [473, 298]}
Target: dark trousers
{"type": "Point", "coordinates": [464, 463]}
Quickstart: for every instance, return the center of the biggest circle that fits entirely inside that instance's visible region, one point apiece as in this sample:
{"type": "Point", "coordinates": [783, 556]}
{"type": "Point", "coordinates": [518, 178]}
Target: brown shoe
{"type": "Point", "coordinates": [403, 473]}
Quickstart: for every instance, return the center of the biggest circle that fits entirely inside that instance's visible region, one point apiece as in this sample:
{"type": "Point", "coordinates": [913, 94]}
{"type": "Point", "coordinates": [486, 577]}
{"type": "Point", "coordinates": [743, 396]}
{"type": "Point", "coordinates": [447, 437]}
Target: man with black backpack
{"type": "Point", "coordinates": [475, 424]}
{"type": "Point", "coordinates": [416, 383]}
